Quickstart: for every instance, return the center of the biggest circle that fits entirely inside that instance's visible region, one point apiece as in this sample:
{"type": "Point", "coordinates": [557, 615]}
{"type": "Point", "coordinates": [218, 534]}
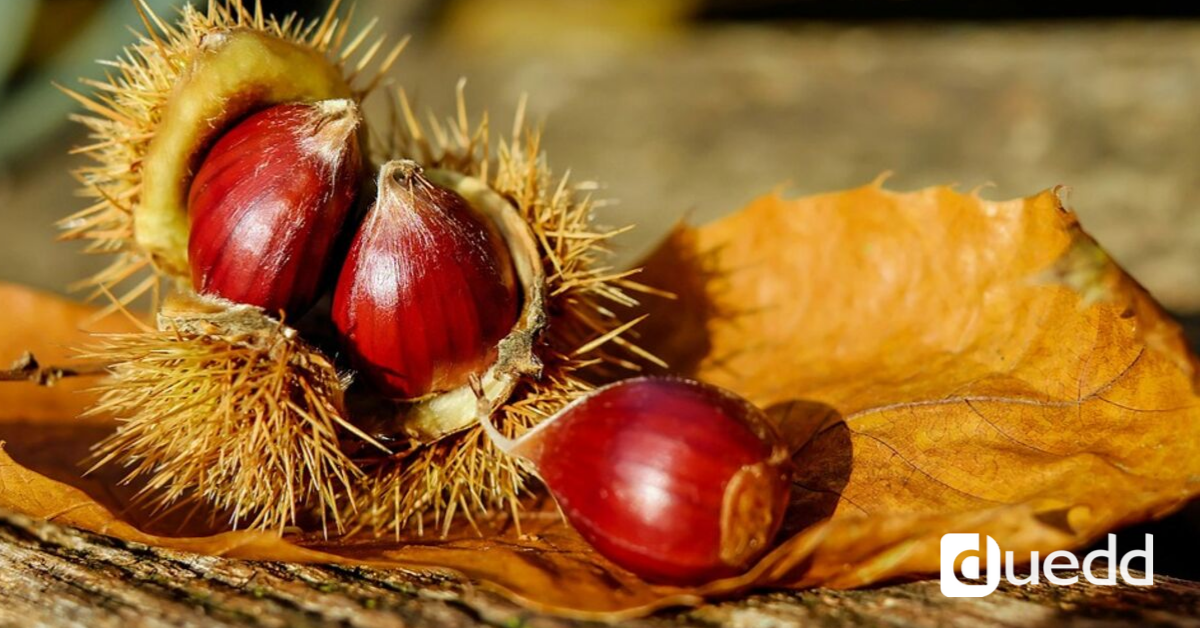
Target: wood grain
{"type": "Point", "coordinates": [59, 577]}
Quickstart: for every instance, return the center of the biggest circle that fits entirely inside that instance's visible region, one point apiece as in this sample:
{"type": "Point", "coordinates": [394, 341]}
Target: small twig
{"type": "Point", "coordinates": [27, 369]}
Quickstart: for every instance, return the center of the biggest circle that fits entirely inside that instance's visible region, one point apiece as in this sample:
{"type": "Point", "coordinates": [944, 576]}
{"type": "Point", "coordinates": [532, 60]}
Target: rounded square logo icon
{"type": "Point", "coordinates": [955, 545]}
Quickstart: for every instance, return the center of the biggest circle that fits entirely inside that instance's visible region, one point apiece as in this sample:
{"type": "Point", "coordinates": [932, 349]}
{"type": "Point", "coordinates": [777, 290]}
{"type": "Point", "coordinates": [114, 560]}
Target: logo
{"type": "Point", "coordinates": [953, 546]}
{"type": "Point", "coordinates": [972, 552]}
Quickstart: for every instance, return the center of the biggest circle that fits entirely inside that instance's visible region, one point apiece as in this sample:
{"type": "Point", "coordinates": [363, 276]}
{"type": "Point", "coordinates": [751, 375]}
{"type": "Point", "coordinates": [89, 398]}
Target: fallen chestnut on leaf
{"type": "Point", "coordinates": [677, 481]}
{"type": "Point", "coordinates": [269, 202]}
{"type": "Point", "coordinates": [427, 291]}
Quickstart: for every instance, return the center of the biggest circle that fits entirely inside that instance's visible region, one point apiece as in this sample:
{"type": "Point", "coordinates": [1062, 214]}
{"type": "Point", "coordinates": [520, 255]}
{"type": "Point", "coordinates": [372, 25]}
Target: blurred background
{"type": "Point", "coordinates": [690, 108]}
{"type": "Point", "coordinates": [693, 107]}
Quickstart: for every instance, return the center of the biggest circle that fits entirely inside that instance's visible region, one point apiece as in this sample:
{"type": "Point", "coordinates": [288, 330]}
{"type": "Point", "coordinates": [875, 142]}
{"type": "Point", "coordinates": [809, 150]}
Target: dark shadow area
{"type": "Point", "coordinates": [1191, 329]}
{"type": "Point", "coordinates": [677, 328]}
{"type": "Point", "coordinates": [1174, 543]}
{"type": "Point", "coordinates": [822, 454]}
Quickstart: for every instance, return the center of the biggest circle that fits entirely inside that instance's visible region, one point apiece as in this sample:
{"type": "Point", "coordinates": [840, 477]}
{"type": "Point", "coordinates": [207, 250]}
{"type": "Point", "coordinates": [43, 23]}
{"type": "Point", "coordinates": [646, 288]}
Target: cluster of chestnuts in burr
{"type": "Point", "coordinates": [676, 480]}
{"type": "Point", "coordinates": [427, 287]}
{"type": "Point", "coordinates": [348, 323]}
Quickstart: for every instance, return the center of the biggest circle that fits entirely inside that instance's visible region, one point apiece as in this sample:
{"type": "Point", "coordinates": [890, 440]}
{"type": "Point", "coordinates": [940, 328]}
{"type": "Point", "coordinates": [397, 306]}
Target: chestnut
{"type": "Point", "coordinates": [427, 291]}
{"type": "Point", "coordinates": [677, 481]}
{"type": "Point", "coordinates": [269, 201]}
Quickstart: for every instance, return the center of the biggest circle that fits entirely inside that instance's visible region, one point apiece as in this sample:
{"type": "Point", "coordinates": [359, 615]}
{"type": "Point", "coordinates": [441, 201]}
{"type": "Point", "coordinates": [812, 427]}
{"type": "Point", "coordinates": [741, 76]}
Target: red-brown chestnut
{"type": "Point", "coordinates": [677, 481]}
{"type": "Point", "coordinates": [428, 290]}
{"type": "Point", "coordinates": [269, 202]}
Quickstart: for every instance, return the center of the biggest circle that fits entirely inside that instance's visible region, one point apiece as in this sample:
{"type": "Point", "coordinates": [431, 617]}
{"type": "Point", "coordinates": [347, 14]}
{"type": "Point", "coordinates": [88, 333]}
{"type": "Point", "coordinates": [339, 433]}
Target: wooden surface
{"type": "Point", "coordinates": [53, 576]}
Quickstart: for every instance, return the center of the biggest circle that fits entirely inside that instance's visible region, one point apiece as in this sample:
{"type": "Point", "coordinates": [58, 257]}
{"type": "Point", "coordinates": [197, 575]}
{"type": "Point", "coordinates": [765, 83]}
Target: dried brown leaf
{"type": "Point", "coordinates": [946, 363]}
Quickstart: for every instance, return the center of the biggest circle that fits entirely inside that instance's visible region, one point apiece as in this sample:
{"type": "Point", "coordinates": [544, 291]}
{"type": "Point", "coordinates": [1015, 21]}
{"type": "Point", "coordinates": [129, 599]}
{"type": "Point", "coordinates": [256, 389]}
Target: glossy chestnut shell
{"type": "Point", "coordinates": [677, 481]}
{"type": "Point", "coordinates": [268, 204]}
{"type": "Point", "coordinates": [427, 291]}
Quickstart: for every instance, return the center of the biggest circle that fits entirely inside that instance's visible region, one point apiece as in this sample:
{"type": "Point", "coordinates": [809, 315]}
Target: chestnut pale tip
{"type": "Point", "coordinates": [332, 124]}
{"type": "Point", "coordinates": [400, 170]}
